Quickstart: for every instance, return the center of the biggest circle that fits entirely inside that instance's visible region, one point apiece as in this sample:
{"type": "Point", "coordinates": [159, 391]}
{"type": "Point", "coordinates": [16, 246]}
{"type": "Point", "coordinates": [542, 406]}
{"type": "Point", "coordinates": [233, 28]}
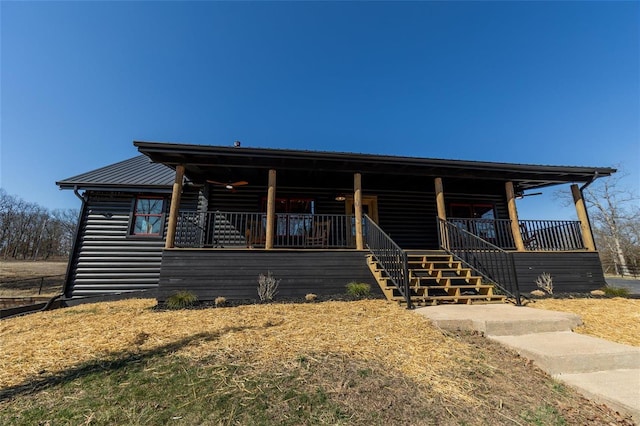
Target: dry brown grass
{"type": "Point", "coordinates": [616, 319]}
{"type": "Point", "coordinates": [21, 278]}
{"type": "Point", "coordinates": [365, 356]}
{"type": "Point", "coordinates": [262, 335]}
{"type": "Point", "coordinates": [29, 269]}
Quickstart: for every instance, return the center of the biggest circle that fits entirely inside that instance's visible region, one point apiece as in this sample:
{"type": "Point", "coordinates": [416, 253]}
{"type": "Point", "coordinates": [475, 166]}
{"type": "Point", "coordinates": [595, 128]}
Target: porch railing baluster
{"type": "Point", "coordinates": [220, 229]}
{"type": "Point", "coordinates": [537, 235]}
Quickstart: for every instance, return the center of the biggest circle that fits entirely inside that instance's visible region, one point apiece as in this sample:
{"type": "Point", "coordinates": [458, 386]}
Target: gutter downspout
{"type": "Point", "coordinates": [582, 188]}
{"type": "Point", "coordinates": [83, 199]}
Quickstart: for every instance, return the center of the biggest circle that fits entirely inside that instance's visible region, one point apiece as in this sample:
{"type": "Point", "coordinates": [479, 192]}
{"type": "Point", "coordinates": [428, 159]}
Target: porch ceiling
{"type": "Point", "coordinates": [204, 161]}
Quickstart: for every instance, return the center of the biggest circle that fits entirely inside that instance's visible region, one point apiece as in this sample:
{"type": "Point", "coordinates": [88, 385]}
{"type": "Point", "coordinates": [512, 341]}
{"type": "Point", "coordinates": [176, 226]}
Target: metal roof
{"type": "Point", "coordinates": [201, 160]}
{"type": "Point", "coordinates": [138, 172]}
{"type": "Point", "coordinates": [154, 171]}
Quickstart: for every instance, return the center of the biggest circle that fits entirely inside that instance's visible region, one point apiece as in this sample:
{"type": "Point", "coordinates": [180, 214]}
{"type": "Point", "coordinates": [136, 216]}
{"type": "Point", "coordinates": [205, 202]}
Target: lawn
{"type": "Point", "coordinates": [29, 278]}
{"type": "Point", "coordinates": [616, 319]}
{"type": "Point", "coordinates": [365, 362]}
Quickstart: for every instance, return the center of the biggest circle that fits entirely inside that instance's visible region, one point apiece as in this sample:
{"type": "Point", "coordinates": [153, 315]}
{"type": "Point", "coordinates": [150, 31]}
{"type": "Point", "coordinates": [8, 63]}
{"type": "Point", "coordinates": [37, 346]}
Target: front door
{"type": "Point", "coordinates": [369, 208]}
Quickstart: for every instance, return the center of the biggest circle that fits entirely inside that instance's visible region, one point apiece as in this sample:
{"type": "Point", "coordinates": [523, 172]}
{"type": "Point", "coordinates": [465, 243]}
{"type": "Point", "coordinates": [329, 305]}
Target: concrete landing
{"type": "Point", "coordinates": [567, 352]}
{"type": "Point", "coordinates": [603, 371]}
{"type": "Point", "coordinates": [619, 389]}
{"type": "Point", "coordinates": [499, 319]}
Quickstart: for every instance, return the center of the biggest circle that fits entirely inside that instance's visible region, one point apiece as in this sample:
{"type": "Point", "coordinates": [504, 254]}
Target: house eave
{"type": "Point", "coordinates": [113, 187]}
{"type": "Point", "coordinates": [198, 159]}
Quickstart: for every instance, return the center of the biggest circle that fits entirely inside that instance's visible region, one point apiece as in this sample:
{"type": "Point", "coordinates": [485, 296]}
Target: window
{"type": "Point", "coordinates": [299, 215]}
{"type": "Point", "coordinates": [475, 211]}
{"type": "Point", "coordinates": [148, 217]}
{"type": "Point", "coordinates": [475, 218]}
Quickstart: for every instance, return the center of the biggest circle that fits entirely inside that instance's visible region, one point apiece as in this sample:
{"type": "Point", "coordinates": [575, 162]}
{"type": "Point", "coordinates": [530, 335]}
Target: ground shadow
{"type": "Point", "coordinates": [116, 361]}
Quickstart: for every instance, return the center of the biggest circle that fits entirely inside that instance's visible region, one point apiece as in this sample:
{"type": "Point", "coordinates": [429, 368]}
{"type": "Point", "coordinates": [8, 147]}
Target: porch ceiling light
{"type": "Point", "coordinates": [340, 197]}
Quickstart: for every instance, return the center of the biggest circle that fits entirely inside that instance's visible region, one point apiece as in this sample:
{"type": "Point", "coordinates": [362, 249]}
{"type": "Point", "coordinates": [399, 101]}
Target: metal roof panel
{"type": "Point", "coordinates": [138, 171]}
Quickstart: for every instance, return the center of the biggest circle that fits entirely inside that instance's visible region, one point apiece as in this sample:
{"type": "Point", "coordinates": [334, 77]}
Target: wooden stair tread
{"type": "Point", "coordinates": [466, 296]}
{"type": "Point", "coordinates": [442, 287]}
{"type": "Point", "coordinates": [444, 282]}
{"type": "Point", "coordinates": [469, 296]}
{"type": "Point", "coordinates": [436, 279]}
{"type": "Point", "coordinates": [439, 269]}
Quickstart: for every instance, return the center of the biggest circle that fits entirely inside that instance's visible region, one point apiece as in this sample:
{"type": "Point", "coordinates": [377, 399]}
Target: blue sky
{"type": "Point", "coordinates": [524, 82]}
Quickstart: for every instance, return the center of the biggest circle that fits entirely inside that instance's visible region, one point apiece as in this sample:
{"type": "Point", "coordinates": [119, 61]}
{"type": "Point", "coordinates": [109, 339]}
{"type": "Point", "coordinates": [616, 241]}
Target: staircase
{"type": "Point", "coordinates": [435, 278]}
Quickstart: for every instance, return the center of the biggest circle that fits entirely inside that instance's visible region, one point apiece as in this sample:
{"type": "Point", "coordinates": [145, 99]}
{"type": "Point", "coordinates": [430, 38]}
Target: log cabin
{"type": "Point", "coordinates": [211, 219]}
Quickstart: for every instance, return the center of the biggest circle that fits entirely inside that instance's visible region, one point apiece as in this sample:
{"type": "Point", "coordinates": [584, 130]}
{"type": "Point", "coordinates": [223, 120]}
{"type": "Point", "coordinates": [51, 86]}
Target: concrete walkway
{"type": "Point", "coordinates": [603, 371]}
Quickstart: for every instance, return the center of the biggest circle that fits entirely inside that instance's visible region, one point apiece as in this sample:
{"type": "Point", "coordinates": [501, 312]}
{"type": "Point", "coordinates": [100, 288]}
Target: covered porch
{"type": "Point", "coordinates": [258, 200]}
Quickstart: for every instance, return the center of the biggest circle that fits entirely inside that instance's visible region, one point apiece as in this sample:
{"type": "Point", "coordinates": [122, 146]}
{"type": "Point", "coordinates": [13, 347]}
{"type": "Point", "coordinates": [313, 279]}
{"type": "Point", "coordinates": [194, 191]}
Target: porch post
{"type": "Point", "coordinates": [442, 212]}
{"type": "Point", "coordinates": [357, 205]}
{"type": "Point", "coordinates": [175, 206]}
{"type": "Point", "coordinates": [271, 209]}
{"type": "Point", "coordinates": [587, 236]}
{"type": "Point", "coordinates": [513, 217]}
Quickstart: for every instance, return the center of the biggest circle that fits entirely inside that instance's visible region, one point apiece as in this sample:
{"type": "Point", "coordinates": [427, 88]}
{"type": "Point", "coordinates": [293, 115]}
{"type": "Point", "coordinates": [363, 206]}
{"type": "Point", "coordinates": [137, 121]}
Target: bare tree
{"type": "Point", "coordinates": [615, 219]}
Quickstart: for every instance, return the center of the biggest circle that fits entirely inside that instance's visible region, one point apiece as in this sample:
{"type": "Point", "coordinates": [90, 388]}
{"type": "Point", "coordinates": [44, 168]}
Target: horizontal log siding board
{"type": "Point", "coordinates": [572, 272]}
{"type": "Point", "coordinates": [249, 199]}
{"type": "Point", "coordinates": [409, 218]}
{"type": "Point", "coordinates": [234, 273]}
{"type": "Point", "coordinates": [107, 260]}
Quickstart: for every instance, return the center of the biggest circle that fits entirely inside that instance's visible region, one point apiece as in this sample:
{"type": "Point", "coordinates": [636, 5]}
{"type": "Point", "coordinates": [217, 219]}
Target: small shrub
{"type": "Point", "coordinates": [181, 300]}
{"type": "Point", "coordinates": [220, 301]}
{"type": "Point", "coordinates": [310, 297]}
{"type": "Point", "coordinates": [267, 287]}
{"type": "Point", "coordinates": [545, 282]}
{"type": "Point", "coordinates": [358, 289]}
{"type": "Point", "coordinates": [615, 291]}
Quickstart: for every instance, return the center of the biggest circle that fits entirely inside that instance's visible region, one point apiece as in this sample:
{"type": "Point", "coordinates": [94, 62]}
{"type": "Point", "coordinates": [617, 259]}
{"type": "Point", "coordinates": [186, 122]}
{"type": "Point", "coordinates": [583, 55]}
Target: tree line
{"type": "Point", "coordinates": [30, 231]}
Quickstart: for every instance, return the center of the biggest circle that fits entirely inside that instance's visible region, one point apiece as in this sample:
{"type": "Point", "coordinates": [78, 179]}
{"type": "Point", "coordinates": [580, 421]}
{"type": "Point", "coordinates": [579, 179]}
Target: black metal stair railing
{"type": "Point", "coordinates": [494, 264]}
{"type": "Point", "coordinates": [391, 258]}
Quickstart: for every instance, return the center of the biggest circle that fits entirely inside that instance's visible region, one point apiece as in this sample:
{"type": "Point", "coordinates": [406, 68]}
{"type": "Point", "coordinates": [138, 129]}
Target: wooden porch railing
{"type": "Point", "coordinates": [242, 229]}
{"type": "Point", "coordinates": [537, 235]}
